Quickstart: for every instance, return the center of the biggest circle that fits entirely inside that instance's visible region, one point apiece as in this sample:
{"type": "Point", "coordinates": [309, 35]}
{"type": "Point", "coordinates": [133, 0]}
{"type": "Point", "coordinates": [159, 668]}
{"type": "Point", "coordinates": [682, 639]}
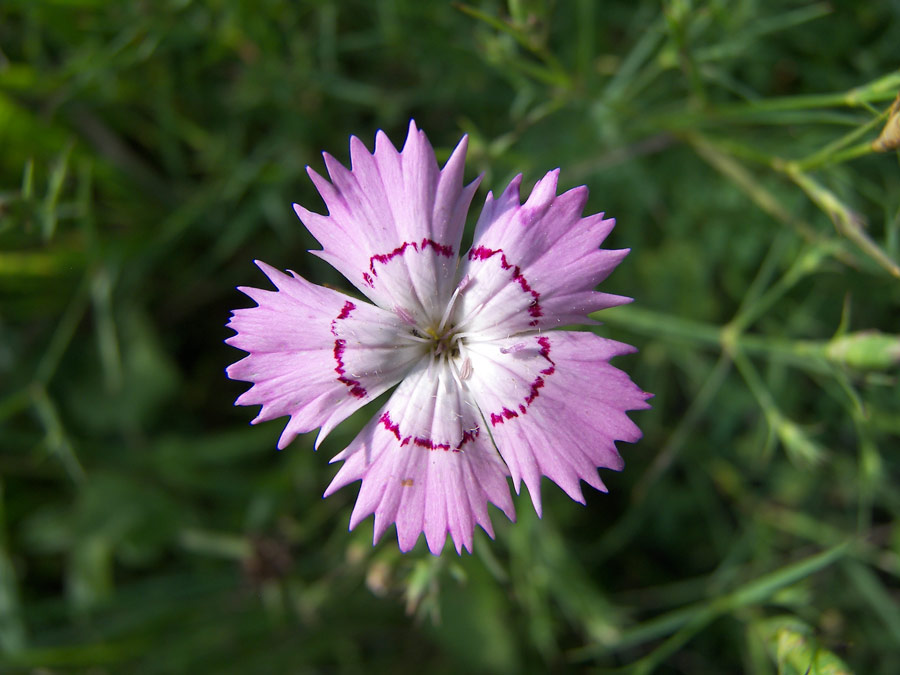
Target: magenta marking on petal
{"type": "Point", "coordinates": [468, 436]}
{"type": "Point", "coordinates": [421, 442]}
{"type": "Point", "coordinates": [345, 312]}
{"type": "Point", "coordinates": [356, 389]}
{"type": "Point", "coordinates": [534, 308]}
{"type": "Point", "coordinates": [384, 258]}
{"type": "Point", "coordinates": [346, 309]}
{"type": "Point", "coordinates": [385, 420]}
{"type": "Point", "coordinates": [428, 444]}
{"type": "Point", "coordinates": [506, 413]}
{"type": "Point", "coordinates": [544, 342]}
{"type": "Point", "coordinates": [440, 249]}
{"type": "Point", "coordinates": [534, 389]}
{"type": "Point", "coordinates": [482, 253]}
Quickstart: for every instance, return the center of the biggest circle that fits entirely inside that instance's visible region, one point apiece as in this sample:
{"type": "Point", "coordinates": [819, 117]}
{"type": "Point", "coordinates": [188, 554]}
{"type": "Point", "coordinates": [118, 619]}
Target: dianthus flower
{"type": "Point", "coordinates": [485, 389]}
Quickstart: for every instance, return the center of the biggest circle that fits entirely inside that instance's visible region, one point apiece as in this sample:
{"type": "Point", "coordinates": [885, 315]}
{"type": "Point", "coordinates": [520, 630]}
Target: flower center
{"type": "Point", "coordinates": [444, 341]}
{"type": "Point", "coordinates": [445, 346]}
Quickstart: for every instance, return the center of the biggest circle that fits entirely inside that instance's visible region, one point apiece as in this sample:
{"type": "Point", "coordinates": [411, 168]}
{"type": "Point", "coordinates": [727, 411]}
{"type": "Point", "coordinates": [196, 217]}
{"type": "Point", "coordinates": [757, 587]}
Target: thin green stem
{"type": "Point", "coordinates": [631, 65]}
{"type": "Point", "coordinates": [761, 280]}
{"type": "Point", "coordinates": [56, 438]}
{"type": "Point", "coordinates": [799, 447]}
{"type": "Point", "coordinates": [553, 72]}
{"type": "Point", "coordinates": [686, 622]}
{"type": "Point", "coordinates": [808, 355]}
{"type": "Point", "coordinates": [829, 154]}
{"type": "Point", "coordinates": [758, 193]}
{"type": "Point", "coordinates": [806, 263]}
{"type": "Point", "coordinates": [846, 221]}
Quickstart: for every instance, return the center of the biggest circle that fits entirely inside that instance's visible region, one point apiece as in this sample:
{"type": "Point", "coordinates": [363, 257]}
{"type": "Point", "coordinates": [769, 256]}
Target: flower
{"type": "Point", "coordinates": [484, 388]}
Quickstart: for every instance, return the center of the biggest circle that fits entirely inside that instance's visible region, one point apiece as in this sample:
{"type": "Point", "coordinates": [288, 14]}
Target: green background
{"type": "Point", "coordinates": [149, 151]}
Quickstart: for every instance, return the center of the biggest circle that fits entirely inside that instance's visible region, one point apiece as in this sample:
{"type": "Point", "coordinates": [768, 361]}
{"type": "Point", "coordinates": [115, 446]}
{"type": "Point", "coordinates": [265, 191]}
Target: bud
{"type": "Point", "coordinates": [802, 450]}
{"type": "Point", "coordinates": [867, 350]}
{"type": "Point", "coordinates": [890, 135]}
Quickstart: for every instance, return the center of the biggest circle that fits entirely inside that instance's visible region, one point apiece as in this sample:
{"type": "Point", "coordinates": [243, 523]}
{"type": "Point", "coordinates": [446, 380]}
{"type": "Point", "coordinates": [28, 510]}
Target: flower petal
{"type": "Point", "coordinates": [315, 354]}
{"type": "Point", "coordinates": [426, 465]}
{"type": "Point", "coordinates": [535, 265]}
{"type": "Point", "coordinates": [555, 406]}
{"type": "Point", "coordinates": [394, 222]}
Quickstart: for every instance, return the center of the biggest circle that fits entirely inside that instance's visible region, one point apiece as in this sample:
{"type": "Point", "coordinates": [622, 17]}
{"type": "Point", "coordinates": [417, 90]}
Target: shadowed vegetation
{"type": "Point", "coordinates": [747, 149]}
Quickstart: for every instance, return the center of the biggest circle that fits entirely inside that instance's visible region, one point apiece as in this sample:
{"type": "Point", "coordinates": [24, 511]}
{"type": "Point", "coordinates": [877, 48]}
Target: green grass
{"type": "Point", "coordinates": [151, 150]}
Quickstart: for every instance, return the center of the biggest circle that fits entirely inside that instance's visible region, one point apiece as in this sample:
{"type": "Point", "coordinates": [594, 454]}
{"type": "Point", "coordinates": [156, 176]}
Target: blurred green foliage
{"type": "Point", "coordinates": [151, 150]}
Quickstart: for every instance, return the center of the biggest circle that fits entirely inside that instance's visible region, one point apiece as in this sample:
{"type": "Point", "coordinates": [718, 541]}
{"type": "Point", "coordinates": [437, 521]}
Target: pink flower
{"type": "Point", "coordinates": [485, 389]}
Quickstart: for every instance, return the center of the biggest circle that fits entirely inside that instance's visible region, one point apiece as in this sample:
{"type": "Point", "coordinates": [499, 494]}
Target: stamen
{"type": "Point", "coordinates": [454, 373]}
{"type": "Point", "coordinates": [459, 289]}
{"type": "Point", "coordinates": [414, 338]}
{"type": "Point", "coordinates": [515, 349]}
{"type": "Point", "coordinates": [459, 337]}
{"type": "Point", "coordinates": [471, 315]}
{"type": "Point", "coordinates": [466, 370]}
